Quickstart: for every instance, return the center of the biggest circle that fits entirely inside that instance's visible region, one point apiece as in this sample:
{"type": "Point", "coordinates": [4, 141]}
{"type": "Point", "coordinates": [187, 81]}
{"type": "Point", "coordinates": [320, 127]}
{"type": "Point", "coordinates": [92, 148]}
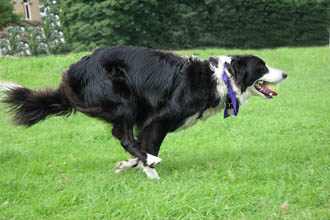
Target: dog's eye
{"type": "Point", "coordinates": [264, 69]}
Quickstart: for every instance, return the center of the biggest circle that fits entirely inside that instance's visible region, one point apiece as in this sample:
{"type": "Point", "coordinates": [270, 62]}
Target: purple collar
{"type": "Point", "coordinates": [231, 103]}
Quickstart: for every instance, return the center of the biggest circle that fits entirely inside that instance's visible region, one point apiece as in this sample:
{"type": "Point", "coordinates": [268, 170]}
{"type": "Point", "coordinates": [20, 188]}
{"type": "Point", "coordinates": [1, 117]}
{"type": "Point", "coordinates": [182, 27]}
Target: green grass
{"type": "Point", "coordinates": [237, 168]}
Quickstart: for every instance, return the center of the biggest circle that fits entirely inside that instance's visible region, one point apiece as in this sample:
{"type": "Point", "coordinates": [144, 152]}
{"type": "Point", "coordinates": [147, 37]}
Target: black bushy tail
{"type": "Point", "coordinates": [30, 107]}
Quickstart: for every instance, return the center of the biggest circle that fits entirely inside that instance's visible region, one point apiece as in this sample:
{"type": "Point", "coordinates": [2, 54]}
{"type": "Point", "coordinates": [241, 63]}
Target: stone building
{"type": "Point", "coordinates": [30, 10]}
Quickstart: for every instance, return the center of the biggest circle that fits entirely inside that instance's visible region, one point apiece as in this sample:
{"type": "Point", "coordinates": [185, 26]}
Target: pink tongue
{"type": "Point", "coordinates": [268, 90]}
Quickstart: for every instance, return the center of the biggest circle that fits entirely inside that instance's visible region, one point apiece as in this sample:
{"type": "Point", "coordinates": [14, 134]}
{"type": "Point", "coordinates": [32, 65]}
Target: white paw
{"type": "Point", "coordinates": [126, 164]}
{"type": "Point", "coordinates": [153, 160]}
{"type": "Point", "coordinates": [149, 171]}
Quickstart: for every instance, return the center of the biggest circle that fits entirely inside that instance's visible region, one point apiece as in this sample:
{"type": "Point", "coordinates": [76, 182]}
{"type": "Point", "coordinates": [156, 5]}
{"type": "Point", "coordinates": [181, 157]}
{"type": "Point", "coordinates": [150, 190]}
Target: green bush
{"type": "Point", "coordinates": [176, 24]}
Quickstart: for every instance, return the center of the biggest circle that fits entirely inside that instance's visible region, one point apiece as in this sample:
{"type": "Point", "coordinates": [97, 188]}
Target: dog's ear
{"type": "Point", "coordinates": [238, 70]}
{"type": "Point", "coordinates": [213, 62]}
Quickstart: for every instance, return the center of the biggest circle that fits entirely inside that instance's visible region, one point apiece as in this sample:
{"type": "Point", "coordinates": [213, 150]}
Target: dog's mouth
{"type": "Point", "coordinates": [266, 88]}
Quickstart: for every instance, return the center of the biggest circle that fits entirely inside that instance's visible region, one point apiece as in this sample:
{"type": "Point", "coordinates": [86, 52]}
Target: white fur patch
{"type": "Point", "coordinates": [132, 162]}
{"type": "Point", "coordinates": [243, 97]}
{"type": "Point", "coordinates": [153, 160]}
{"type": "Point", "coordinates": [273, 75]}
{"type": "Point", "coordinates": [126, 164]}
{"type": "Point", "coordinates": [218, 71]}
{"type": "Point", "coordinates": [212, 111]}
{"type": "Point", "coordinates": [5, 86]}
{"type": "Point", "coordinates": [149, 171]}
{"type": "Point", "coordinates": [190, 121]}
{"type": "Point", "coordinates": [221, 92]}
{"type": "Point", "coordinates": [222, 87]}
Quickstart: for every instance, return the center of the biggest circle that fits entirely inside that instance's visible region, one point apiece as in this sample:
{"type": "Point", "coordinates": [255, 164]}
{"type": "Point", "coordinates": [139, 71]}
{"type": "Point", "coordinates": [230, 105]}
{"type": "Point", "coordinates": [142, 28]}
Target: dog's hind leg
{"type": "Point", "coordinates": [117, 132]}
{"type": "Point", "coordinates": [132, 147]}
{"type": "Point", "coordinates": [126, 164]}
{"type": "Point", "coordinates": [133, 162]}
{"type": "Point", "coordinates": [150, 140]}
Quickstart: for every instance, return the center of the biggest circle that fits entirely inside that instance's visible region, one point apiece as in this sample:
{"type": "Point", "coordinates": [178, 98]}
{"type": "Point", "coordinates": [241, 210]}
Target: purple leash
{"type": "Point", "coordinates": [232, 101]}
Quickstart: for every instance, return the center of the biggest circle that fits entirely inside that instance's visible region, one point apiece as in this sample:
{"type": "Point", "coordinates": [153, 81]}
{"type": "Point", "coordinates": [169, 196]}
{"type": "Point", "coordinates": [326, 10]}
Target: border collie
{"type": "Point", "coordinates": [155, 92]}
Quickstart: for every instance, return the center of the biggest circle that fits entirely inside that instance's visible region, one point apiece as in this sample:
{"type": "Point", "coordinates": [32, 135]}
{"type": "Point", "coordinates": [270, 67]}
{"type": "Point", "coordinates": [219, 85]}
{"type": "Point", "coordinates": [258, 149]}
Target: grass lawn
{"type": "Point", "coordinates": [238, 168]}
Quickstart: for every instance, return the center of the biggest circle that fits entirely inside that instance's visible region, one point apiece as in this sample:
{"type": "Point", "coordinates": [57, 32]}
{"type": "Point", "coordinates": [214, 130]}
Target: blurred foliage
{"type": "Point", "coordinates": [186, 24]}
{"type": "Point", "coordinates": [18, 39]}
{"type": "Point", "coordinates": [37, 41]}
{"type": "Point", "coordinates": [7, 16]}
{"type": "Point", "coordinates": [50, 10]}
{"type": "Point", "coordinates": [24, 41]}
{"type": "Point", "coordinates": [168, 24]}
{"type": "Point", "coordinates": [5, 47]}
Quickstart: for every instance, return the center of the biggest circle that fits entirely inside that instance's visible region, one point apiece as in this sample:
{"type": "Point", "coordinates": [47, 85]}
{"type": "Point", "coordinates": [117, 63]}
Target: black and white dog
{"type": "Point", "coordinates": [156, 92]}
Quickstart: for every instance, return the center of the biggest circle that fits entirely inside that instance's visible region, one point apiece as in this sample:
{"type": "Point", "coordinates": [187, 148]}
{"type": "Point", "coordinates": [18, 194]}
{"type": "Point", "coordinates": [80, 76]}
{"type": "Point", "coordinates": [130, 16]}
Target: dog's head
{"type": "Point", "coordinates": [251, 76]}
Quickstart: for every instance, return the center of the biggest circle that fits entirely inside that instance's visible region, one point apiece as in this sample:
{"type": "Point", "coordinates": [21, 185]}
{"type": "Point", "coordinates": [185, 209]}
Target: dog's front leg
{"type": "Point", "coordinates": [152, 137]}
{"type": "Point", "coordinates": [149, 171]}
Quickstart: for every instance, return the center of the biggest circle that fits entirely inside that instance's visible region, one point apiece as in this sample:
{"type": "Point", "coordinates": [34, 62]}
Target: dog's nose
{"type": "Point", "coordinates": [284, 75]}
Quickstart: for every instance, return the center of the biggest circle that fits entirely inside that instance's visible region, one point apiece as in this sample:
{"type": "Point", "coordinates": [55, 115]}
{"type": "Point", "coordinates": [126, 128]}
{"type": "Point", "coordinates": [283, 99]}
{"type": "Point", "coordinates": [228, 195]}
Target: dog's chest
{"type": "Point", "coordinates": [192, 120]}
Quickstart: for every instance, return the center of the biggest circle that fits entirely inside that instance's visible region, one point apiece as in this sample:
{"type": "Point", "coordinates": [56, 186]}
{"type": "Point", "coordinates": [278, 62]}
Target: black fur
{"type": "Point", "coordinates": [132, 86]}
{"type": "Point", "coordinates": [246, 69]}
{"type": "Point", "coordinates": [30, 107]}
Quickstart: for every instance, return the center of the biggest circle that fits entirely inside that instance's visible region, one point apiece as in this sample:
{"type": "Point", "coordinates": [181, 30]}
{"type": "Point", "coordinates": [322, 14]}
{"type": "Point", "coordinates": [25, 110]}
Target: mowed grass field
{"type": "Point", "coordinates": [243, 167]}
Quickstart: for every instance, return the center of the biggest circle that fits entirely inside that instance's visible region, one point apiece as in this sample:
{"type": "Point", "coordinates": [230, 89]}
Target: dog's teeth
{"type": "Point", "coordinates": [270, 94]}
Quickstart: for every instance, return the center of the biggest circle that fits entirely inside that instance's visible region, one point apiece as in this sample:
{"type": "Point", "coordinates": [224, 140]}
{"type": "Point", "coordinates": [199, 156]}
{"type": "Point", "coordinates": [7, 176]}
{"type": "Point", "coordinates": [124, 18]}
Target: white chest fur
{"type": "Point", "coordinates": [192, 120]}
{"type": "Point", "coordinates": [221, 91]}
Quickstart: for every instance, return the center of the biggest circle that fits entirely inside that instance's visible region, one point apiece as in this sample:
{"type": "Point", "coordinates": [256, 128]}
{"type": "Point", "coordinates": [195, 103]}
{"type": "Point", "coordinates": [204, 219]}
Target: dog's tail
{"type": "Point", "coordinates": [30, 107]}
